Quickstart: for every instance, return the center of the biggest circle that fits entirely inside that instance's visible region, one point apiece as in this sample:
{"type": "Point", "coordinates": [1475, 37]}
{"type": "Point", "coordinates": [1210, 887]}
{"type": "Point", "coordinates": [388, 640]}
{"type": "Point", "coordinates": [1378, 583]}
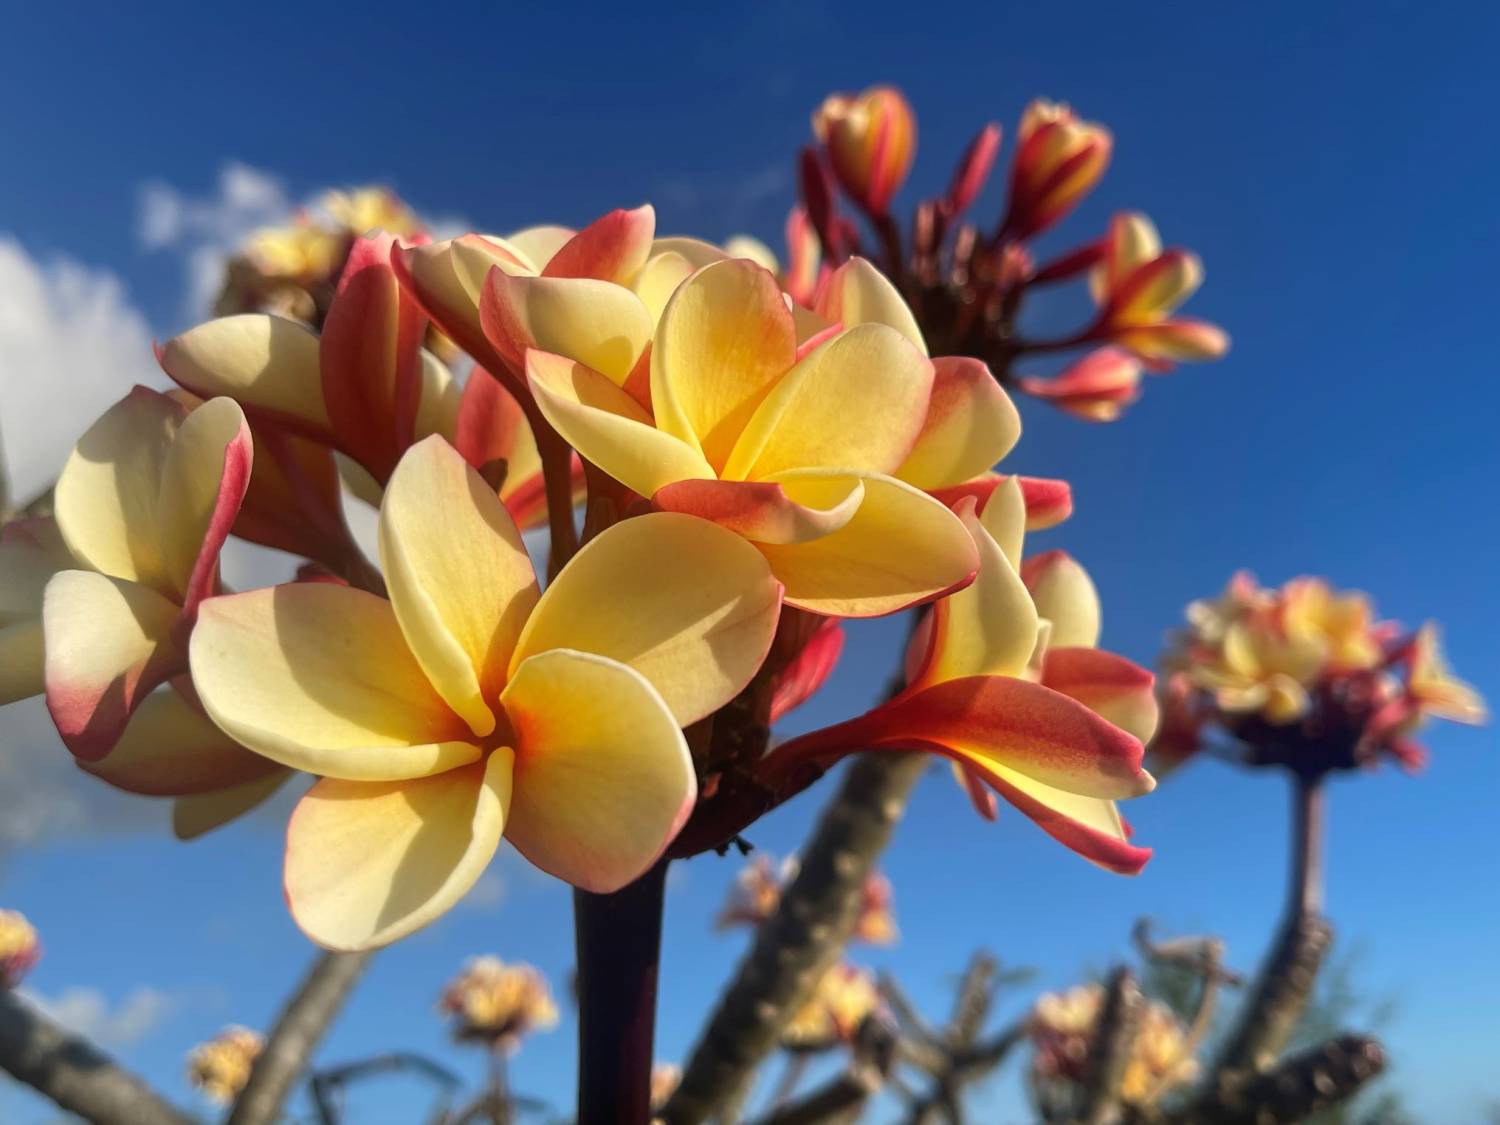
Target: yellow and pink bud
{"type": "Point", "coordinates": [1058, 160]}
{"type": "Point", "coordinates": [1096, 388]}
{"type": "Point", "coordinates": [870, 139]}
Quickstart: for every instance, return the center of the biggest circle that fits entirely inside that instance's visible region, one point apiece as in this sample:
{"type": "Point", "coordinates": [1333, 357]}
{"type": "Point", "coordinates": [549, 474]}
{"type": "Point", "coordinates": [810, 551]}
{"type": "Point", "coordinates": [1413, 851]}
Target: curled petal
{"type": "Point", "coordinates": [1153, 289]}
{"type": "Point", "coordinates": [611, 248]}
{"type": "Point", "coordinates": [170, 749]}
{"type": "Point", "coordinates": [461, 583]}
{"type": "Point", "coordinates": [683, 602]}
{"type": "Point", "coordinates": [446, 279]}
{"type": "Point", "coordinates": [538, 244]}
{"type": "Point", "coordinates": [108, 494]}
{"type": "Point", "coordinates": [762, 511]}
{"type": "Point", "coordinates": [608, 427]}
{"type": "Point", "coordinates": [370, 862]}
{"type": "Point", "coordinates": [1048, 501]}
{"type": "Point", "coordinates": [600, 324]}
{"type": "Point", "coordinates": [900, 549]}
{"type": "Point", "coordinates": [1065, 595]}
{"type": "Point", "coordinates": [800, 680]}
{"type": "Point", "coordinates": [725, 337]}
{"type": "Point", "coordinates": [989, 627]}
{"type": "Point", "coordinates": [1097, 388]}
{"type": "Point", "coordinates": [970, 425]}
{"type": "Point", "coordinates": [1177, 339]}
{"type": "Point", "coordinates": [1112, 687]}
{"type": "Point", "coordinates": [268, 365]}
{"type": "Point", "coordinates": [857, 402]}
{"type": "Point", "coordinates": [108, 644]}
{"type": "Point", "coordinates": [318, 677]}
{"type": "Point", "coordinates": [858, 293]}
{"type": "Point", "coordinates": [659, 279]}
{"type": "Point", "coordinates": [603, 777]}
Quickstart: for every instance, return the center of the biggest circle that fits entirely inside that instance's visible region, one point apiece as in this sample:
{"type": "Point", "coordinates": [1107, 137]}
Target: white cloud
{"type": "Point", "coordinates": [87, 1012]}
{"type": "Point", "coordinates": [71, 343]}
{"type": "Point", "coordinates": [206, 231]}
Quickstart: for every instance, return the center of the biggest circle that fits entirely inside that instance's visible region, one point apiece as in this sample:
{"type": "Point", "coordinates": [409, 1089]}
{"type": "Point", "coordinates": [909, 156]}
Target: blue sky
{"type": "Point", "coordinates": [1329, 162]}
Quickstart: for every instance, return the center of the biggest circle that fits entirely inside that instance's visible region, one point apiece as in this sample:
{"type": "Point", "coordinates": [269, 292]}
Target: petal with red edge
{"type": "Point", "coordinates": [600, 324]}
{"type": "Point", "coordinates": [970, 425]}
{"type": "Point", "coordinates": [203, 483]}
{"type": "Point", "coordinates": [611, 248]}
{"type": "Point", "coordinates": [1114, 688]}
{"type": "Point", "coordinates": [603, 777]}
{"type": "Point", "coordinates": [762, 511]}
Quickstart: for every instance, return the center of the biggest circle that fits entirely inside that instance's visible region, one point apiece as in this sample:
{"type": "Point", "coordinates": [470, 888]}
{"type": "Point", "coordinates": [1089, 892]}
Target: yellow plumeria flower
{"type": "Point", "coordinates": [469, 706]}
{"type": "Point", "coordinates": [371, 208]}
{"type": "Point", "coordinates": [845, 996]}
{"type": "Point", "coordinates": [20, 948]}
{"type": "Point", "coordinates": [498, 1003]}
{"type": "Point", "coordinates": [221, 1067]}
{"type": "Point", "coordinates": [1435, 689]}
{"type": "Point", "coordinates": [794, 453]}
{"type": "Point", "coordinates": [299, 252]}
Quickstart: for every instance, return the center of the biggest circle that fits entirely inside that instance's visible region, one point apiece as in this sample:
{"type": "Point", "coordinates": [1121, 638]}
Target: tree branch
{"type": "Point", "coordinates": [1110, 1053]}
{"type": "Point", "coordinates": [73, 1072]}
{"type": "Point", "coordinates": [801, 941]}
{"type": "Point", "coordinates": [1303, 1084]}
{"type": "Point", "coordinates": [302, 1024]}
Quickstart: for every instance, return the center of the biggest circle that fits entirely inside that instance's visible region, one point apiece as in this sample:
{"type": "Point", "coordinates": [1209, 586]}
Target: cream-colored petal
{"type": "Point", "coordinates": [107, 495]}
{"type": "Point", "coordinates": [601, 325]}
{"type": "Point", "coordinates": [689, 605]}
{"type": "Point", "coordinates": [370, 862]}
{"type": "Point", "coordinates": [858, 293]}
{"type": "Point", "coordinates": [318, 677]}
{"type": "Point", "coordinates": [603, 777]}
{"type": "Point", "coordinates": [203, 481]}
{"type": "Point", "coordinates": [460, 580]}
{"type": "Point", "coordinates": [971, 424]}
{"type": "Point", "coordinates": [265, 363]}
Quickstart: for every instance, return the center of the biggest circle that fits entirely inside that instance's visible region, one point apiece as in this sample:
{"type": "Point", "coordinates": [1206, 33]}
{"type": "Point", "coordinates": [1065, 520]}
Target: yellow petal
{"type": "Point", "coordinates": [437, 408]}
{"type": "Point", "coordinates": [989, 628]}
{"type": "Point", "coordinates": [106, 498]}
{"type": "Point", "coordinates": [901, 548]}
{"type": "Point", "coordinates": [858, 293]}
{"type": "Point", "coordinates": [1004, 518]}
{"type": "Point", "coordinates": [690, 606]}
{"type": "Point", "coordinates": [460, 580]}
{"type": "Point", "coordinates": [971, 424]}
{"type": "Point", "coordinates": [265, 363]}
{"type": "Point", "coordinates": [192, 517]}
{"type": "Point", "coordinates": [1065, 595]}
{"type": "Point", "coordinates": [725, 337]}
{"type": "Point", "coordinates": [370, 862]}
{"type": "Point", "coordinates": [600, 324]}
{"type": "Point", "coordinates": [201, 813]}
{"type": "Point", "coordinates": [539, 243]}
{"type": "Point", "coordinates": [608, 427]}
{"type": "Point", "coordinates": [603, 777]}
{"type": "Point", "coordinates": [318, 677]}
{"type": "Point", "coordinates": [856, 402]}
{"type": "Point", "coordinates": [659, 279]}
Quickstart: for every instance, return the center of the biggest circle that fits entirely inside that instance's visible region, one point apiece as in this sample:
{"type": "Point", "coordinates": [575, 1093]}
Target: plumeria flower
{"type": "Point", "coordinates": [468, 706]}
{"type": "Point", "coordinates": [871, 139]}
{"type": "Point", "coordinates": [1061, 750]}
{"type": "Point", "coordinates": [1058, 161]}
{"type": "Point", "coordinates": [793, 450]}
{"type": "Point", "coordinates": [1137, 285]}
{"type": "Point", "coordinates": [845, 997]}
{"type": "Point", "coordinates": [20, 948]}
{"type": "Point", "coordinates": [221, 1067]}
{"type": "Point", "coordinates": [145, 503]}
{"type": "Point", "coordinates": [498, 1004]}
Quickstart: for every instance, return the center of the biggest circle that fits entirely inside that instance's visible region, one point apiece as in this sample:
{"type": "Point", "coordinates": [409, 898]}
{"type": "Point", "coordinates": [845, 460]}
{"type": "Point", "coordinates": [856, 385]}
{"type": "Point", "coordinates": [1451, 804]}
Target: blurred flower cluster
{"type": "Point", "coordinates": [1062, 1028]}
{"type": "Point", "coordinates": [221, 1067]}
{"type": "Point", "coordinates": [498, 1005]}
{"type": "Point", "coordinates": [20, 948]}
{"type": "Point", "coordinates": [966, 282]}
{"type": "Point", "coordinates": [844, 998]}
{"type": "Point", "coordinates": [757, 892]}
{"type": "Point", "coordinates": [1303, 677]}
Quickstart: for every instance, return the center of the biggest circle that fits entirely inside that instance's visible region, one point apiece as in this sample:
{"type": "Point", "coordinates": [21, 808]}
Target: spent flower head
{"type": "Point", "coordinates": [221, 1067]}
{"type": "Point", "coordinates": [20, 948]}
{"type": "Point", "coordinates": [497, 1004]}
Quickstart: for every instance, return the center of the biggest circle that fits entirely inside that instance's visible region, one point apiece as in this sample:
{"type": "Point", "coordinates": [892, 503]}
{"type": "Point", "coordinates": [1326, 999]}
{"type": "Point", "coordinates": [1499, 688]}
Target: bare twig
{"type": "Point", "coordinates": [1301, 1085]}
{"type": "Point", "coordinates": [801, 941]}
{"type": "Point", "coordinates": [1110, 1053]}
{"type": "Point", "coordinates": [976, 994]}
{"type": "Point", "coordinates": [326, 1084]}
{"type": "Point", "coordinates": [74, 1073]}
{"type": "Point", "coordinates": [294, 1038]}
{"type": "Point", "coordinates": [842, 1098]}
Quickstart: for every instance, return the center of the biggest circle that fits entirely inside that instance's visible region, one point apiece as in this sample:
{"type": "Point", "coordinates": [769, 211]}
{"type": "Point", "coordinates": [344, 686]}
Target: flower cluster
{"type": "Point", "coordinates": [1062, 1027]}
{"type": "Point", "coordinates": [967, 283]}
{"type": "Point", "coordinates": [498, 1004]}
{"type": "Point", "coordinates": [20, 948]}
{"type": "Point", "coordinates": [291, 270]}
{"type": "Point", "coordinates": [754, 469]}
{"type": "Point", "coordinates": [844, 998]}
{"type": "Point", "coordinates": [221, 1067]}
{"type": "Point", "coordinates": [757, 892]}
{"type": "Point", "coordinates": [1305, 678]}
